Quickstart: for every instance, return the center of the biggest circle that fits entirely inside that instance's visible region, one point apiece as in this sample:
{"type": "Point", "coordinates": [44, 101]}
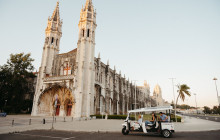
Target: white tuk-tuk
{"type": "Point", "coordinates": [164, 128]}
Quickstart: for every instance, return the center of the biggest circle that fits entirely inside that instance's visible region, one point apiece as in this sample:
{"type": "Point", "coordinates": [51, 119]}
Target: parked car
{"type": "Point", "coordinates": [3, 114]}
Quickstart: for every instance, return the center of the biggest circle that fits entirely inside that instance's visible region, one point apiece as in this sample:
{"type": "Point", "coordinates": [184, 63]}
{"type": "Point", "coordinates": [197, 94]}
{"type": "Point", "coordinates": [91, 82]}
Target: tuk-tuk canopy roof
{"type": "Point", "coordinates": [151, 109]}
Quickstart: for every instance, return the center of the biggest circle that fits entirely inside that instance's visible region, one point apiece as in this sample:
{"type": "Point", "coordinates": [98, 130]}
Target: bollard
{"type": "Point", "coordinates": [72, 118]}
{"type": "Point", "coordinates": [12, 123]}
{"type": "Point", "coordinates": [55, 120]}
{"type": "Point", "coordinates": [30, 122]}
{"type": "Point", "coordinates": [44, 121]}
{"type": "Point", "coordinates": [64, 119]}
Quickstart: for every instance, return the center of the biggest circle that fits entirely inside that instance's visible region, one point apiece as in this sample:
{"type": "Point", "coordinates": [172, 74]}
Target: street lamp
{"type": "Point", "coordinates": [5, 102]}
{"type": "Point", "coordinates": [196, 104]}
{"type": "Point", "coordinates": [216, 90]}
{"type": "Point", "coordinates": [174, 104]}
{"type": "Point", "coordinates": [135, 95]}
{"type": "Point", "coordinates": [187, 106]}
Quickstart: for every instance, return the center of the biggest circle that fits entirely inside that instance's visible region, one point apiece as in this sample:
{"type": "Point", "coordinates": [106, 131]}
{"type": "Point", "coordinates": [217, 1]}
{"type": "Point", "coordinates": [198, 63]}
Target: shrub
{"type": "Point", "coordinates": [7, 109]}
{"type": "Point", "coordinates": [119, 117]}
{"type": "Point", "coordinates": [174, 119]}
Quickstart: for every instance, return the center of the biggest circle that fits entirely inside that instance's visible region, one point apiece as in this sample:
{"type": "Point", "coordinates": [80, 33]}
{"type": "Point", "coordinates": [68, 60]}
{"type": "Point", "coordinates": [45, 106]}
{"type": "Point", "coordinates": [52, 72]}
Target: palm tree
{"type": "Point", "coordinates": [182, 90]}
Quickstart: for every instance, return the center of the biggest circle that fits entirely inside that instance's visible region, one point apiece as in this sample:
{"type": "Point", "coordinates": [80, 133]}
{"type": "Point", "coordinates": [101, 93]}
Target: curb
{"type": "Point", "coordinates": [99, 131]}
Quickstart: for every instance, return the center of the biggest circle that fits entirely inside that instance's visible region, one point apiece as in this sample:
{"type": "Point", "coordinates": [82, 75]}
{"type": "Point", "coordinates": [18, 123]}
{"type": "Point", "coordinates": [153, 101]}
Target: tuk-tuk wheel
{"type": "Point", "coordinates": [124, 131]}
{"type": "Point", "coordinates": [166, 133]}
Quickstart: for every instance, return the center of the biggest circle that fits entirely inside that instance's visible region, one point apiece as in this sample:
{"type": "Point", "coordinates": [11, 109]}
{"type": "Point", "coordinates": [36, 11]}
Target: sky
{"type": "Point", "coordinates": [151, 40]}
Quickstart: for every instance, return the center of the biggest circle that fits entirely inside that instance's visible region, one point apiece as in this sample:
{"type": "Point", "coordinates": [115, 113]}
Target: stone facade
{"type": "Point", "coordinates": [77, 83]}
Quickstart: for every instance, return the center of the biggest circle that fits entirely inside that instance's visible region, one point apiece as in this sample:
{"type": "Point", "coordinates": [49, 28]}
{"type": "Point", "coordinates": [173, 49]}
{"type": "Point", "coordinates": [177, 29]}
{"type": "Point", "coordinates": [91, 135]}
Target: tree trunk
{"type": "Point", "coordinates": [176, 105]}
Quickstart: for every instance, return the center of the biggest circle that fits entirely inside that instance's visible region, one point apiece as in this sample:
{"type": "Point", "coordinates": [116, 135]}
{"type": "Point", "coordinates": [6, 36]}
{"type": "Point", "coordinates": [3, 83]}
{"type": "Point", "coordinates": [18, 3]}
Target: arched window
{"type": "Point", "coordinates": [57, 42]}
{"type": "Point", "coordinates": [89, 8]}
{"type": "Point", "coordinates": [88, 33]}
{"type": "Point", "coordinates": [52, 40]}
{"type": "Point", "coordinates": [83, 32]}
{"type": "Point", "coordinates": [93, 35]}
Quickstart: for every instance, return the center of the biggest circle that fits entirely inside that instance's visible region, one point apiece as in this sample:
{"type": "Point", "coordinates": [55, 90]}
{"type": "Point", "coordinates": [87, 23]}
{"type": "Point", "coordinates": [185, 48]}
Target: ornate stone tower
{"type": "Point", "coordinates": [157, 95]}
{"type": "Point", "coordinates": [53, 34]}
{"type": "Point", "coordinates": [52, 42]}
{"type": "Point", "coordinates": [85, 76]}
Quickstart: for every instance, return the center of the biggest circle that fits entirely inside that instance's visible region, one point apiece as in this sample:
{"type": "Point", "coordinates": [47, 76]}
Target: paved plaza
{"type": "Point", "coordinates": [22, 123]}
{"type": "Point", "coordinates": [206, 117]}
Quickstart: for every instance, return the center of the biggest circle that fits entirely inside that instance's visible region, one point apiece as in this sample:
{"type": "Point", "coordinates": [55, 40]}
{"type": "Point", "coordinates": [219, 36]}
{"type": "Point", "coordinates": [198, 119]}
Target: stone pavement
{"type": "Point", "coordinates": [196, 124]}
{"type": "Point", "coordinates": [21, 123]}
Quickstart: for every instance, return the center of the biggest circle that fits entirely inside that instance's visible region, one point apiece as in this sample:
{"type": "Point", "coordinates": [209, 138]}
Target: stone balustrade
{"type": "Point", "coordinates": [58, 78]}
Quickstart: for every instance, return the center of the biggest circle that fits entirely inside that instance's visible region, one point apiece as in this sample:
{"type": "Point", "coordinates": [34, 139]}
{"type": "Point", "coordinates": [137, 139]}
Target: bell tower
{"type": "Point", "coordinates": [53, 34]}
{"type": "Point", "coordinates": [85, 61]}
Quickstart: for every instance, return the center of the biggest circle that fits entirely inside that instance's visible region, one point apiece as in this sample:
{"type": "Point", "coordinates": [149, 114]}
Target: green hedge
{"type": "Point", "coordinates": [123, 117]}
{"type": "Point", "coordinates": [119, 117]}
{"type": "Point", "coordinates": [174, 119]}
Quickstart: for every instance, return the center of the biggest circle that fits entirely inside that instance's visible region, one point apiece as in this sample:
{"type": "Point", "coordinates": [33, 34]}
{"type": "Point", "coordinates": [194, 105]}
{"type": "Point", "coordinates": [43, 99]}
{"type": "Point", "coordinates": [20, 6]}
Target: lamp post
{"type": "Point", "coordinates": [135, 92]}
{"type": "Point", "coordinates": [135, 96]}
{"type": "Point", "coordinates": [196, 104]}
{"type": "Point", "coordinates": [187, 106]}
{"type": "Point", "coordinates": [216, 90]}
{"type": "Point", "coordinates": [174, 101]}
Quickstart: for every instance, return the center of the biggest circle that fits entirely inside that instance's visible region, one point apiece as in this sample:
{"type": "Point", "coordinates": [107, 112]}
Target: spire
{"type": "Point", "coordinates": [54, 23]}
{"type": "Point", "coordinates": [56, 14]}
{"type": "Point", "coordinates": [99, 55]}
{"type": "Point", "coordinates": [108, 62]}
{"type": "Point", "coordinates": [89, 5]}
{"type": "Point", "coordinates": [157, 89]}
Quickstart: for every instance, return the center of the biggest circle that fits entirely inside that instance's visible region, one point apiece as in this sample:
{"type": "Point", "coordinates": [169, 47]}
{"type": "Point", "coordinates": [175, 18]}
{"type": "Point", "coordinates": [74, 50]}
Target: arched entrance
{"type": "Point", "coordinates": [97, 100]}
{"type": "Point", "coordinates": [57, 113]}
{"type": "Point", "coordinates": [68, 107]}
{"type": "Point", "coordinates": [115, 107]}
{"type": "Point", "coordinates": [65, 102]}
{"type": "Point", "coordinates": [120, 109]}
{"type": "Point", "coordinates": [111, 107]}
{"type": "Point", "coordinates": [102, 105]}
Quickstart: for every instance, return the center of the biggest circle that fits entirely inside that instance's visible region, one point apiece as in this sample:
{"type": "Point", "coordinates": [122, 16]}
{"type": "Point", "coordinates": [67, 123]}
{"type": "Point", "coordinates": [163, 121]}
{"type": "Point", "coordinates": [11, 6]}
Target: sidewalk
{"type": "Point", "coordinates": [22, 124]}
{"type": "Point", "coordinates": [196, 124]}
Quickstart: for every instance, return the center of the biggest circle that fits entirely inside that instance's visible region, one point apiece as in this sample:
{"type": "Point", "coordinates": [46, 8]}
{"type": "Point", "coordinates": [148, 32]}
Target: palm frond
{"type": "Point", "coordinates": [182, 90]}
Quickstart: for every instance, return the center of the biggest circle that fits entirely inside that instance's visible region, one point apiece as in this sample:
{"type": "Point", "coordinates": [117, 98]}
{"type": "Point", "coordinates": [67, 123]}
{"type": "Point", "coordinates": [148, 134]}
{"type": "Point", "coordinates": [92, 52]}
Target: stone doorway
{"type": "Point", "coordinates": [58, 109]}
{"type": "Point", "coordinates": [68, 107]}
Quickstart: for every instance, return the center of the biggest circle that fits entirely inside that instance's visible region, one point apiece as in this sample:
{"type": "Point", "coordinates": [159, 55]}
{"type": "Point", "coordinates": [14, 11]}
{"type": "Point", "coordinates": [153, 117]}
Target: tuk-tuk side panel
{"type": "Point", "coordinates": [166, 125]}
